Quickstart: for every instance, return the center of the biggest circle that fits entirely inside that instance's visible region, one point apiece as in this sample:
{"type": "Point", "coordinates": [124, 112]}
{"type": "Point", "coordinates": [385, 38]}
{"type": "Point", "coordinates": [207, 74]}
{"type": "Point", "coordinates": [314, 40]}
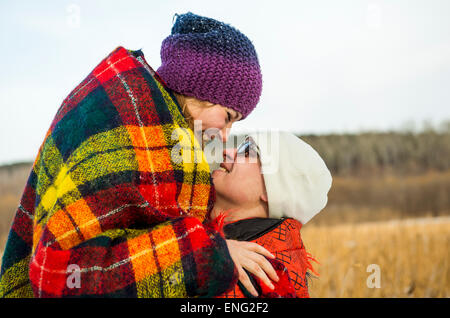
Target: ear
{"type": "Point", "coordinates": [263, 197]}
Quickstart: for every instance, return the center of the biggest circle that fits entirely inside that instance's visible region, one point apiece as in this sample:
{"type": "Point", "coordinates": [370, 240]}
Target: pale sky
{"type": "Point", "coordinates": [328, 66]}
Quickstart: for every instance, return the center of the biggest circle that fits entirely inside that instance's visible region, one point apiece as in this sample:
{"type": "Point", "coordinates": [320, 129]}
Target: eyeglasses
{"type": "Point", "coordinates": [248, 148]}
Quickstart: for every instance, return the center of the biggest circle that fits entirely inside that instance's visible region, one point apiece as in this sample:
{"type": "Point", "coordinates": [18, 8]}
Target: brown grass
{"type": "Point", "coordinates": [8, 205]}
{"type": "Point", "coordinates": [352, 232]}
{"type": "Point", "coordinates": [413, 257]}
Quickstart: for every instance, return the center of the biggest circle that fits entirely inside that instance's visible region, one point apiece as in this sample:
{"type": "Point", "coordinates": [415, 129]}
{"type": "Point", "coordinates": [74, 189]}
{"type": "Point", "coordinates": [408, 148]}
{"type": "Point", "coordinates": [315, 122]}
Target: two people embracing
{"type": "Point", "coordinates": [121, 197]}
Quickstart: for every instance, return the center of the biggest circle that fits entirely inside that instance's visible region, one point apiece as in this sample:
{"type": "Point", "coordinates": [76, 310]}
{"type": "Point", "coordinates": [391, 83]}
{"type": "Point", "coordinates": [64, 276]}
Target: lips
{"type": "Point", "coordinates": [224, 168]}
{"type": "Point", "coordinates": [207, 136]}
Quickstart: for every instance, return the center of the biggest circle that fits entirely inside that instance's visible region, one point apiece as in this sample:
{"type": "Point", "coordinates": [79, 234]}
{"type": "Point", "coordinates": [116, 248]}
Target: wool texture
{"type": "Point", "coordinates": [112, 198]}
{"type": "Point", "coordinates": [212, 61]}
{"type": "Point", "coordinates": [292, 263]}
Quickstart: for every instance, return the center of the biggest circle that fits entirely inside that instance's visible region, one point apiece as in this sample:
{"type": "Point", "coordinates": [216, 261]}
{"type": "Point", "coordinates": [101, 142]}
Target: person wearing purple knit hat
{"type": "Point", "coordinates": [206, 62]}
{"type": "Point", "coordinates": [213, 71]}
{"type": "Point", "coordinates": [113, 189]}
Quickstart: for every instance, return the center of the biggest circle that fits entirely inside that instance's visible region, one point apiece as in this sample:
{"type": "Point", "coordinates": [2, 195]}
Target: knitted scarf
{"type": "Point", "coordinates": [282, 238]}
{"type": "Point", "coordinates": [116, 197]}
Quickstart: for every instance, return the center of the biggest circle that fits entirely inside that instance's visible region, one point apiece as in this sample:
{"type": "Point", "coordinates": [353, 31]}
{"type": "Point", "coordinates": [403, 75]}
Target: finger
{"type": "Point", "coordinates": [265, 266]}
{"type": "Point", "coordinates": [259, 249]}
{"type": "Point", "coordinates": [245, 280]}
{"type": "Point", "coordinates": [256, 270]}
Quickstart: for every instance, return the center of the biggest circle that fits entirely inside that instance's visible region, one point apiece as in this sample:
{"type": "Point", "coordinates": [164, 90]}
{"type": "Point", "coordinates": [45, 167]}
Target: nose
{"type": "Point", "coordinates": [229, 154]}
{"type": "Point", "coordinates": [220, 134]}
{"type": "Point", "coordinates": [224, 134]}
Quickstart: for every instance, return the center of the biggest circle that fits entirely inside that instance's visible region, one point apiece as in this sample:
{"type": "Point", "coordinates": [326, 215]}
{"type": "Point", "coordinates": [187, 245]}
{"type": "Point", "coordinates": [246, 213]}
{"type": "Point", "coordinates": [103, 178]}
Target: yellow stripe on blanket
{"type": "Point", "coordinates": [61, 186]}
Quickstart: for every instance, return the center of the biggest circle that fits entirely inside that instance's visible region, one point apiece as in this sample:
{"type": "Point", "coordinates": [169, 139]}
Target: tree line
{"type": "Point", "coordinates": [370, 153]}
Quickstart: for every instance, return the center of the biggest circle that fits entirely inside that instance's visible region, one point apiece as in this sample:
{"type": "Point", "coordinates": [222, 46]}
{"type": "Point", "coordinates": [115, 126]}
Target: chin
{"type": "Point", "coordinates": [217, 174]}
{"type": "Point", "coordinates": [216, 185]}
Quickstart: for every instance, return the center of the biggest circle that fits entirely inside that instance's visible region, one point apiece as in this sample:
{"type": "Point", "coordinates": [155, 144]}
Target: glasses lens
{"type": "Point", "coordinates": [248, 148]}
{"type": "Point", "coordinates": [243, 147]}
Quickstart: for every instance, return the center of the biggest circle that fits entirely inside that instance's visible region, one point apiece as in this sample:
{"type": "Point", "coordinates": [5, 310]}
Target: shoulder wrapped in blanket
{"type": "Point", "coordinates": [110, 195]}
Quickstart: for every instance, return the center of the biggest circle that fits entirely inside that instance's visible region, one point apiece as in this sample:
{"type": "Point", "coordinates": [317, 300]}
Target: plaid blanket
{"type": "Point", "coordinates": [111, 197]}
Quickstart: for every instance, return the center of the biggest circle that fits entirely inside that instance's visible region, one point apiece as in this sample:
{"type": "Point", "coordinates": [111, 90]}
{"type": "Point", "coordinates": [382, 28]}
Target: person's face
{"type": "Point", "coordinates": [215, 118]}
{"type": "Point", "coordinates": [239, 180]}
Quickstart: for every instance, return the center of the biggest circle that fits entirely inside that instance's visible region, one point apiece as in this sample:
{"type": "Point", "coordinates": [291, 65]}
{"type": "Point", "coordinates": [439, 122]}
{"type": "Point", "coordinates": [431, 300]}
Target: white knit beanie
{"type": "Point", "coordinates": [297, 179]}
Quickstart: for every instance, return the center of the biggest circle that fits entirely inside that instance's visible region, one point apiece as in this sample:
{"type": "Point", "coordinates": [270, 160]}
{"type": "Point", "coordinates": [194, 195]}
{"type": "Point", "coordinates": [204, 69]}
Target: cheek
{"type": "Point", "coordinates": [253, 182]}
{"type": "Point", "coordinates": [229, 185]}
{"type": "Point", "coordinates": [246, 183]}
{"type": "Point", "coordinates": [213, 118]}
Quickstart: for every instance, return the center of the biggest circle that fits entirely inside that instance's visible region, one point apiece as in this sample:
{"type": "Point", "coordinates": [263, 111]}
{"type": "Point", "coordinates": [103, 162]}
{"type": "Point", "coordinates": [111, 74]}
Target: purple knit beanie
{"type": "Point", "coordinates": [211, 61]}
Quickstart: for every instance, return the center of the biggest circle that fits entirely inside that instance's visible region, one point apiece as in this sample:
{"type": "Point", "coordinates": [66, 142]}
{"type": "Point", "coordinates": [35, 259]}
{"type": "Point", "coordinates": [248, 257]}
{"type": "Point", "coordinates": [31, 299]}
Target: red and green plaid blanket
{"type": "Point", "coordinates": [112, 198]}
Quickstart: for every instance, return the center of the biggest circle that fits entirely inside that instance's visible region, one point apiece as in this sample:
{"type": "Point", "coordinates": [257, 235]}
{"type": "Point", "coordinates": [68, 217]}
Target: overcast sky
{"type": "Point", "coordinates": [328, 66]}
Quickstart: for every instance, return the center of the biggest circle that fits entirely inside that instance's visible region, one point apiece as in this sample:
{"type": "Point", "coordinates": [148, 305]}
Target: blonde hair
{"type": "Point", "coordinates": [181, 99]}
{"type": "Point", "coordinates": [184, 100]}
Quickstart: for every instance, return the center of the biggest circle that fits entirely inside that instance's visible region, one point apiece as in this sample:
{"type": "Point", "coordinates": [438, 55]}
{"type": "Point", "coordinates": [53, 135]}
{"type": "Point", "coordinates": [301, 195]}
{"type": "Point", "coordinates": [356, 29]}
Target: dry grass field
{"type": "Point", "coordinates": [401, 224]}
{"type": "Point", "coordinates": [412, 254]}
{"type": "Point", "coordinates": [12, 182]}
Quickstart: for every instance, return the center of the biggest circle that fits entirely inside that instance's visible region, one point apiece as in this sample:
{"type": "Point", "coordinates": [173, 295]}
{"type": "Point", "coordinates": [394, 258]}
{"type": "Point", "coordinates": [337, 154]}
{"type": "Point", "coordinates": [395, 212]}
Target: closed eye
{"type": "Point", "coordinates": [229, 117]}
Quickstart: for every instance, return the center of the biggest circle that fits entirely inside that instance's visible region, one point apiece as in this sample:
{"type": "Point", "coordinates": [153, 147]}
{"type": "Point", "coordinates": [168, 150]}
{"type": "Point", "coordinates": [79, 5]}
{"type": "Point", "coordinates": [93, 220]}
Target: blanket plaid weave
{"type": "Point", "coordinates": [112, 195]}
